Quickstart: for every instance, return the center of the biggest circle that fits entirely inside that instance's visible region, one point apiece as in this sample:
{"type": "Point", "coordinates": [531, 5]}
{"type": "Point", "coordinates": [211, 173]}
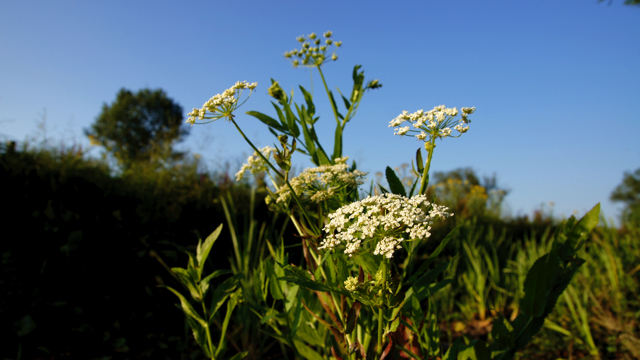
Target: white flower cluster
{"type": "Point", "coordinates": [221, 105]}
{"type": "Point", "coordinates": [434, 123]}
{"type": "Point", "coordinates": [321, 183]}
{"type": "Point", "coordinates": [255, 163]}
{"type": "Point", "coordinates": [389, 218]}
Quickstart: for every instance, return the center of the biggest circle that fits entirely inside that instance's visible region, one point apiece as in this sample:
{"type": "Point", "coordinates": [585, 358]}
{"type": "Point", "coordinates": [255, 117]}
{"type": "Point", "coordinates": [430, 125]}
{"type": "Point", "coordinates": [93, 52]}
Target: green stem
{"type": "Point", "coordinates": [293, 193]}
{"type": "Point", "coordinates": [206, 317]}
{"type": "Point", "coordinates": [381, 311]}
{"type": "Point", "coordinates": [425, 174]}
{"type": "Point", "coordinates": [333, 105]}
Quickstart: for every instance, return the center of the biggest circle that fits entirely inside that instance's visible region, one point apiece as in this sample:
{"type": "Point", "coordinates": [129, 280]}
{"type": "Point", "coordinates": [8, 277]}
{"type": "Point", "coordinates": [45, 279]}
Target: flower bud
{"type": "Point", "coordinates": [275, 91]}
{"type": "Point", "coordinates": [312, 36]}
{"type": "Point", "coordinates": [328, 34]}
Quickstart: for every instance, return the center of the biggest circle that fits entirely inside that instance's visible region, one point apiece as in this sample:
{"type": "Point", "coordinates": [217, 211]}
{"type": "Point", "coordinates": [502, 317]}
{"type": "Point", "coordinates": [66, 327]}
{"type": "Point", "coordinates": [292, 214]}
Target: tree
{"type": "Point", "coordinates": [139, 127]}
{"type": "Point", "coordinates": [628, 192]}
{"type": "Point", "coordinates": [466, 195]}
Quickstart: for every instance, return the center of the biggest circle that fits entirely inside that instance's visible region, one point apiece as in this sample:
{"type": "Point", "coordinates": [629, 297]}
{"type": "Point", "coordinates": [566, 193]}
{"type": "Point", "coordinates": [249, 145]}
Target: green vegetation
{"type": "Point", "coordinates": [628, 193]}
{"type": "Point", "coordinates": [332, 272]}
{"type": "Point", "coordinates": [140, 127]}
{"type": "Point", "coordinates": [82, 277]}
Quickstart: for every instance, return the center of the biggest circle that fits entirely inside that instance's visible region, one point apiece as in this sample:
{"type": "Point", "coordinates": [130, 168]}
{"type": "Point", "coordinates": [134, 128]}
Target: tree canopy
{"type": "Point", "coordinates": [628, 192]}
{"type": "Point", "coordinates": [139, 127]}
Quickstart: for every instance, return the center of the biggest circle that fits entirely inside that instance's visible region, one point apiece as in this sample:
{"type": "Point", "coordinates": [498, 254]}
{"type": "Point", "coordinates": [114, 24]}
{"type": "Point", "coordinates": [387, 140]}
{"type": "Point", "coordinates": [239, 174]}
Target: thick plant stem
{"type": "Point", "coordinates": [425, 173]}
{"type": "Point", "coordinates": [293, 193]}
{"type": "Point", "coordinates": [381, 311]}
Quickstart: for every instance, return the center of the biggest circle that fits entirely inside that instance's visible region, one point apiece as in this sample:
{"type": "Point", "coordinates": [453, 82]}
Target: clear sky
{"type": "Point", "coordinates": [553, 81]}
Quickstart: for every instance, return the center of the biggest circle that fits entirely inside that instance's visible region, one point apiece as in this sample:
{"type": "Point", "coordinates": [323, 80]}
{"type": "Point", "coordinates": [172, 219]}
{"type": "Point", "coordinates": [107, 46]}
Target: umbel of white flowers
{"type": "Point", "coordinates": [433, 123]}
{"type": "Point", "coordinates": [221, 105]}
{"type": "Point", "coordinates": [387, 219]}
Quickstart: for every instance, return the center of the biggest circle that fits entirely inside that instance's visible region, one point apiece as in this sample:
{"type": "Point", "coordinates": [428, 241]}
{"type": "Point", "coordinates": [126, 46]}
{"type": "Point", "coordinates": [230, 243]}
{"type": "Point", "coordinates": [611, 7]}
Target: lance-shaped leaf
{"type": "Point", "coordinates": [538, 282]}
{"type": "Point", "coordinates": [274, 285]}
{"type": "Point", "coordinates": [240, 356]}
{"type": "Point", "coordinates": [502, 332]}
{"type": "Point", "coordinates": [395, 185]}
{"type": "Point", "coordinates": [266, 119]}
{"type": "Point", "coordinates": [425, 264]}
{"type": "Point", "coordinates": [419, 161]}
{"type": "Point", "coordinates": [231, 304]}
{"type": "Point", "coordinates": [307, 352]}
{"type": "Point", "coordinates": [187, 308]}
{"type": "Point", "coordinates": [186, 278]}
{"type": "Point", "coordinates": [421, 287]}
{"type": "Point", "coordinates": [200, 334]}
{"type": "Point", "coordinates": [221, 293]}
{"type": "Point", "coordinates": [323, 322]}
{"type": "Point", "coordinates": [203, 249]}
{"type": "Point", "coordinates": [204, 284]}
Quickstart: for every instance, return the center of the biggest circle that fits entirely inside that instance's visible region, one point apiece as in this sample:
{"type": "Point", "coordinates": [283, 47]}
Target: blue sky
{"type": "Point", "coordinates": [553, 82]}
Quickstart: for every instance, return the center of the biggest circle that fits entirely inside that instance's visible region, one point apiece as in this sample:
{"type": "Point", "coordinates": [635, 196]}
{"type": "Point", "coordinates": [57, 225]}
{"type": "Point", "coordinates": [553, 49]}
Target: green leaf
{"type": "Point", "coordinates": [308, 98]}
{"type": "Point", "coordinates": [291, 121]}
{"type": "Point", "coordinates": [231, 304]}
{"type": "Point", "coordinates": [297, 312]}
{"type": "Point", "coordinates": [583, 228]}
{"type": "Point", "coordinates": [538, 282]}
{"type": "Point", "coordinates": [419, 161]}
{"type": "Point", "coordinates": [347, 104]}
{"type": "Point", "coordinates": [337, 145]}
{"type": "Point", "coordinates": [222, 292]}
{"type": "Point", "coordinates": [502, 332]}
{"type": "Point", "coordinates": [422, 285]}
{"type": "Point", "coordinates": [309, 144]}
{"type": "Point", "coordinates": [305, 283]}
{"type": "Point", "coordinates": [204, 284]}
{"type": "Point", "coordinates": [187, 279]}
{"type": "Point", "coordinates": [368, 262]}
{"type": "Point", "coordinates": [186, 307]}
{"type": "Point", "coordinates": [240, 356]}
{"type": "Point", "coordinates": [425, 264]}
{"type": "Point", "coordinates": [200, 334]}
{"type": "Point", "coordinates": [272, 313]}
{"type": "Point", "coordinates": [310, 335]}
{"type": "Point", "coordinates": [322, 158]}
{"type": "Point", "coordinates": [395, 185]}
{"type": "Point", "coordinates": [281, 117]}
{"type": "Point", "coordinates": [203, 251]}
{"type": "Point", "coordinates": [306, 351]}
{"type": "Point", "coordinates": [274, 286]}
{"type": "Point", "coordinates": [331, 272]}
{"type": "Point", "coordinates": [432, 331]}
{"type": "Point", "coordinates": [268, 120]}
{"type": "Point", "coordinates": [193, 268]}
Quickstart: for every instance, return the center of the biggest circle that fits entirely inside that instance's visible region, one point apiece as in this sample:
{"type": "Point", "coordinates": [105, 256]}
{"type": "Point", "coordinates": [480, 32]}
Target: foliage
{"type": "Point", "coordinates": [628, 192]}
{"type": "Point", "coordinates": [84, 268]}
{"type": "Point", "coordinates": [494, 255]}
{"type": "Point", "coordinates": [139, 127]}
{"type": "Point", "coordinates": [385, 309]}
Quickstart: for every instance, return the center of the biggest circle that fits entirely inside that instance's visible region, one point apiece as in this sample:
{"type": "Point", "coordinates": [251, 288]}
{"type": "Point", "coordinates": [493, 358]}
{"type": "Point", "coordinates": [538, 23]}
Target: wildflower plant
{"type": "Point", "coordinates": [366, 284]}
